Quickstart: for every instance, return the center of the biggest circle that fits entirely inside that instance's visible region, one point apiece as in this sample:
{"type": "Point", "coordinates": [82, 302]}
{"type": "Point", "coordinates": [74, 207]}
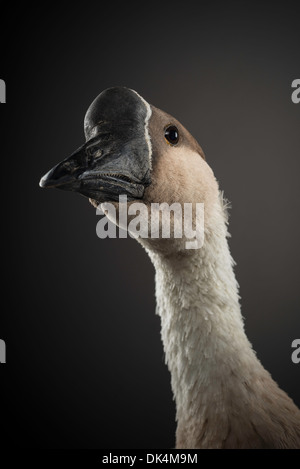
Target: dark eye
{"type": "Point", "coordinates": [172, 134]}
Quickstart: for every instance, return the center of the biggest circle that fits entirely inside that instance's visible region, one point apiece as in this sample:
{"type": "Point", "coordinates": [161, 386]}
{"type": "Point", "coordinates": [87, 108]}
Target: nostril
{"type": "Point", "coordinates": [93, 153]}
{"type": "Point", "coordinates": [97, 153]}
{"type": "Point", "coordinates": [70, 166]}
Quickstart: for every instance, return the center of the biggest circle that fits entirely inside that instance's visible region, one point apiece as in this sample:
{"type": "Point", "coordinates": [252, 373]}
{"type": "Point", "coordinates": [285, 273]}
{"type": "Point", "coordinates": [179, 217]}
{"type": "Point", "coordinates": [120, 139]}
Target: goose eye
{"type": "Point", "coordinates": [172, 134]}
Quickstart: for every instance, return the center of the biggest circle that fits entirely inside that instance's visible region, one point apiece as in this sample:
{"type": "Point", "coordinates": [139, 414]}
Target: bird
{"type": "Point", "coordinates": [225, 398]}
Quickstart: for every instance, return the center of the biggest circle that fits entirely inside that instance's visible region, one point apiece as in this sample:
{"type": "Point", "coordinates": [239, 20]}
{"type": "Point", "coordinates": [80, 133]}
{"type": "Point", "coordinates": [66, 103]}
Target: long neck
{"type": "Point", "coordinates": [212, 364]}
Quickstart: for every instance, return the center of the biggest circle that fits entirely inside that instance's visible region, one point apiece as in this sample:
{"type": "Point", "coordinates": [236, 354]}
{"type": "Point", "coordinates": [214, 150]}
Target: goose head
{"type": "Point", "coordinates": [134, 149]}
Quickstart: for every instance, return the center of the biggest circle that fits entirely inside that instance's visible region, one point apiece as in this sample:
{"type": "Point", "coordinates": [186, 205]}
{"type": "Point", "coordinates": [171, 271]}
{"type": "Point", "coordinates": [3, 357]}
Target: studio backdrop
{"type": "Point", "coordinates": [84, 363]}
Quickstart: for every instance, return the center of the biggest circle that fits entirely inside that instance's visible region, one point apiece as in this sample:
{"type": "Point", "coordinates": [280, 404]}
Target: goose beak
{"type": "Point", "coordinates": [116, 158]}
{"type": "Point", "coordinates": [65, 174]}
{"type": "Point", "coordinates": [103, 172]}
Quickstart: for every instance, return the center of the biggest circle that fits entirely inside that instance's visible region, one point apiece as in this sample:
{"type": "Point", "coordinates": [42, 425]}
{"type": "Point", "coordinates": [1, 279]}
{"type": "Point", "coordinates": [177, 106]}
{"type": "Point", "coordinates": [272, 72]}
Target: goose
{"type": "Point", "coordinates": [224, 396]}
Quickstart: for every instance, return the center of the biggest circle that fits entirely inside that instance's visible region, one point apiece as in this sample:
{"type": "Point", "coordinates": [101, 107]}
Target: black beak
{"type": "Point", "coordinates": [116, 158]}
{"type": "Point", "coordinates": [65, 175]}
{"type": "Point", "coordinates": [98, 175]}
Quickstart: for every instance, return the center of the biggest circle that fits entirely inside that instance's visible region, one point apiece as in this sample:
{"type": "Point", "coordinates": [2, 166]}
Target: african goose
{"type": "Point", "coordinates": [224, 397]}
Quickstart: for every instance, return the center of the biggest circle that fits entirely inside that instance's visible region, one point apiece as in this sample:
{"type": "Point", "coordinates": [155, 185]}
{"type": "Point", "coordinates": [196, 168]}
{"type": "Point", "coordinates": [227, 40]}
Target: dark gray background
{"type": "Point", "coordinates": [85, 366]}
